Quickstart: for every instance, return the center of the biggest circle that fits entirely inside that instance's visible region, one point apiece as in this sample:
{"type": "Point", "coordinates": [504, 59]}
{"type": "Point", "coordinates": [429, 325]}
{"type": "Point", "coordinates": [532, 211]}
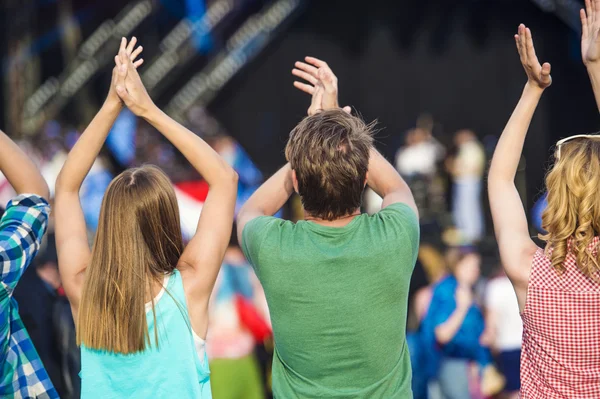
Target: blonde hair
{"type": "Point", "coordinates": [137, 243]}
{"type": "Point", "coordinates": [572, 217]}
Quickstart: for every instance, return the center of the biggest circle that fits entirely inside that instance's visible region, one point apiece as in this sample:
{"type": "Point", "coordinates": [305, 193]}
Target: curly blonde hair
{"type": "Point", "coordinates": [572, 217]}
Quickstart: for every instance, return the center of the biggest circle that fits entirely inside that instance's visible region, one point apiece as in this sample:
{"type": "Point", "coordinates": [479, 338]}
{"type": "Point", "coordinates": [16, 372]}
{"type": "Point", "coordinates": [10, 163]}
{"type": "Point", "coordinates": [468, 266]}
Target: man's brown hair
{"type": "Point", "coordinates": [329, 152]}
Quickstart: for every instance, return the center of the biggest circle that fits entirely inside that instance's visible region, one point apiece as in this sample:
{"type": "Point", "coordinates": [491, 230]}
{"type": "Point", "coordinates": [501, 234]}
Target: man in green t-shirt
{"type": "Point", "coordinates": [337, 282]}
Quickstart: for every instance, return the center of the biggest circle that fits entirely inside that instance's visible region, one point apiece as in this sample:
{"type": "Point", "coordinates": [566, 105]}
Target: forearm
{"type": "Point", "coordinates": [510, 146]}
{"type": "Point", "coordinates": [272, 195]}
{"type": "Point", "coordinates": [383, 177]}
{"type": "Point", "coordinates": [385, 180]}
{"type": "Point", "coordinates": [447, 330]}
{"type": "Point", "coordinates": [86, 150]}
{"type": "Point", "coordinates": [213, 168]}
{"type": "Point", "coordinates": [19, 169]}
{"type": "Point", "coordinates": [594, 73]}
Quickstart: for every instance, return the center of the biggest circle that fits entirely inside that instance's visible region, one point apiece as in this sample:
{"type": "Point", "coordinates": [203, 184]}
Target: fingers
{"type": "Point", "coordinates": [136, 53]}
{"type": "Point", "coordinates": [131, 45]}
{"type": "Point", "coordinates": [123, 46]}
{"type": "Point", "coordinates": [347, 109]}
{"type": "Point", "coordinates": [584, 24]}
{"type": "Point", "coordinates": [118, 61]}
{"type": "Point", "coordinates": [311, 70]}
{"type": "Point", "coordinates": [306, 76]}
{"type": "Point", "coordinates": [305, 88]}
{"type": "Point", "coordinates": [138, 63]}
{"type": "Point", "coordinates": [530, 49]}
{"type": "Point", "coordinates": [316, 62]}
{"type": "Point", "coordinates": [122, 93]}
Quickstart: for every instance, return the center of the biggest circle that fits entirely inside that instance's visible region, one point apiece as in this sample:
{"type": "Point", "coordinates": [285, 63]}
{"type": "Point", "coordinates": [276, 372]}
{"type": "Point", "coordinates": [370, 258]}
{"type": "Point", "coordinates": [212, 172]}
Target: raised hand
{"type": "Point", "coordinates": [463, 297]}
{"type": "Point", "coordinates": [318, 73]}
{"type": "Point", "coordinates": [132, 54]}
{"type": "Point", "coordinates": [129, 86]}
{"type": "Point", "coordinates": [316, 103]}
{"type": "Point", "coordinates": [537, 75]}
{"type": "Point", "coordinates": [590, 32]}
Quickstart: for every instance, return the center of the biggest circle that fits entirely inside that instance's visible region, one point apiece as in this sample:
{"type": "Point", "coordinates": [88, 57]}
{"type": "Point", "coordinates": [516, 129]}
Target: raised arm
{"type": "Point", "coordinates": [24, 222]}
{"type": "Point", "coordinates": [202, 258]}
{"type": "Point", "coordinates": [510, 221]}
{"type": "Point", "coordinates": [71, 232]}
{"type": "Point", "coordinates": [447, 330]}
{"type": "Point", "coordinates": [382, 177]}
{"type": "Point", "coordinates": [19, 169]}
{"type": "Point", "coordinates": [590, 43]}
{"type": "Point", "coordinates": [385, 180]}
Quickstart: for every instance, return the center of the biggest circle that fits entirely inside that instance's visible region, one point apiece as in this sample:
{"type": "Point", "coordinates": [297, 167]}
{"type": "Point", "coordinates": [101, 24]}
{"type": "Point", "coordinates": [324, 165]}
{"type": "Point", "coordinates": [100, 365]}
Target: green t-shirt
{"type": "Point", "coordinates": [338, 302]}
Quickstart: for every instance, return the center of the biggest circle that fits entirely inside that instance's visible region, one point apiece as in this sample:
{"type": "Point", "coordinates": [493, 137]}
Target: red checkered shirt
{"type": "Point", "coordinates": [561, 333]}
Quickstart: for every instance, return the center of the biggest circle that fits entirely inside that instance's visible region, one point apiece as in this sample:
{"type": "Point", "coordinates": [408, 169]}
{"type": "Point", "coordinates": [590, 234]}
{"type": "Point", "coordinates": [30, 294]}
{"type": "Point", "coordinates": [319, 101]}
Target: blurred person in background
{"type": "Point", "coordinates": [139, 297]}
{"type": "Point", "coordinates": [451, 332]}
{"type": "Point", "coordinates": [418, 163]}
{"type": "Point", "coordinates": [46, 314]}
{"type": "Point", "coordinates": [238, 320]}
{"type": "Point", "coordinates": [504, 331]}
{"type": "Point", "coordinates": [557, 288]}
{"type": "Point", "coordinates": [22, 228]}
{"type": "Point", "coordinates": [467, 167]}
{"type": "Point", "coordinates": [337, 282]}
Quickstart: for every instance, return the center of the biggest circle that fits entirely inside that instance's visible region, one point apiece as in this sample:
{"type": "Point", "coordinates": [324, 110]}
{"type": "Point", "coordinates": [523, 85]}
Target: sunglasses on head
{"type": "Point", "coordinates": [577, 136]}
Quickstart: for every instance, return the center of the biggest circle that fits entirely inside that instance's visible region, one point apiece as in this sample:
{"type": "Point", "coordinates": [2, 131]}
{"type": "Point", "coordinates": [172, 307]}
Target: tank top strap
{"type": "Point", "coordinates": [199, 344]}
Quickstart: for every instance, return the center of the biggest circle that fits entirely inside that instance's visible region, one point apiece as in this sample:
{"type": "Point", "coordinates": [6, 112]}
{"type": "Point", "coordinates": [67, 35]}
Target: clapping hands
{"type": "Point", "coordinates": [127, 82]}
{"type": "Point", "coordinates": [322, 84]}
{"type": "Point", "coordinates": [131, 55]}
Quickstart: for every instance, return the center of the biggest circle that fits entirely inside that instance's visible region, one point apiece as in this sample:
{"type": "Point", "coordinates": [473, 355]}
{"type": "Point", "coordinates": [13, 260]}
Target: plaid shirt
{"type": "Point", "coordinates": [21, 230]}
{"type": "Point", "coordinates": [561, 325]}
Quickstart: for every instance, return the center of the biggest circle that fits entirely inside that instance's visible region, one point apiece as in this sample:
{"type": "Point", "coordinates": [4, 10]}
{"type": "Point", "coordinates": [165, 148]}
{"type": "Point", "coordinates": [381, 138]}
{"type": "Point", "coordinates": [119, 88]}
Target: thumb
{"type": "Point", "coordinates": [347, 109]}
{"type": "Point", "coordinates": [122, 93]}
{"type": "Point", "coordinates": [546, 69]}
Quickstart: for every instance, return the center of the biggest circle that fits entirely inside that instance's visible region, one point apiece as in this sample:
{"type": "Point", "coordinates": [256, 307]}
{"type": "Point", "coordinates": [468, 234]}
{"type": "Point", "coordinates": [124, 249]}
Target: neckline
{"type": "Point", "coordinates": [148, 305]}
{"type": "Point", "coordinates": [332, 229]}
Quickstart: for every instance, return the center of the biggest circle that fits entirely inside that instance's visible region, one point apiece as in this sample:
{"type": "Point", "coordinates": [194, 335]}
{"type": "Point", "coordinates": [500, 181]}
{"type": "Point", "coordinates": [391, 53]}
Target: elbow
{"type": "Point", "coordinates": [441, 336]}
{"type": "Point", "coordinates": [61, 185]}
{"type": "Point", "coordinates": [41, 189]}
{"type": "Point", "coordinates": [44, 190]}
{"type": "Point", "coordinates": [232, 177]}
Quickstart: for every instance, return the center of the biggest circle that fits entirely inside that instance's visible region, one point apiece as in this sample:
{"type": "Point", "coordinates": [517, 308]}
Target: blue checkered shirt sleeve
{"type": "Point", "coordinates": [21, 230]}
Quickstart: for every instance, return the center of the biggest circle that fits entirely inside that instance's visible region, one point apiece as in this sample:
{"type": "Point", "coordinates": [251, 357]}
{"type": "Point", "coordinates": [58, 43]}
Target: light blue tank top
{"type": "Point", "coordinates": [173, 370]}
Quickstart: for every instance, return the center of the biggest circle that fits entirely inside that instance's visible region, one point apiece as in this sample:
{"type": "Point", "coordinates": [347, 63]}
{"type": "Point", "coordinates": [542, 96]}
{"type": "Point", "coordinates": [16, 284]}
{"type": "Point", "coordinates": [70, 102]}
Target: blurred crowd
{"type": "Point", "coordinates": [451, 299]}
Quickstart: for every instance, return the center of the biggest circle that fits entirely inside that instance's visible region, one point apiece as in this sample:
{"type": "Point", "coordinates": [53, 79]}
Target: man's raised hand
{"type": "Point", "coordinates": [537, 75]}
{"type": "Point", "coordinates": [317, 73]}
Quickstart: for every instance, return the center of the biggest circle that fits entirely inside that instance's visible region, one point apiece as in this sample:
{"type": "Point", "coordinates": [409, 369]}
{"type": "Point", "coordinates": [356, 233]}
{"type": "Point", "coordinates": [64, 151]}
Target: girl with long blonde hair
{"type": "Point", "coordinates": [139, 297]}
{"type": "Point", "coordinates": [557, 287]}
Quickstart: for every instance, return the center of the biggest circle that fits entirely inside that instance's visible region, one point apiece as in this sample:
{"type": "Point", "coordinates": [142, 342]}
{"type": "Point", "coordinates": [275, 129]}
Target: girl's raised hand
{"type": "Point", "coordinates": [132, 54]}
{"type": "Point", "coordinates": [537, 75]}
{"type": "Point", "coordinates": [129, 86]}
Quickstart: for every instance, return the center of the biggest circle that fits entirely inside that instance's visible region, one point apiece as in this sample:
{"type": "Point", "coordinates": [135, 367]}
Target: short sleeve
{"type": "Point", "coordinates": [21, 231]}
{"type": "Point", "coordinates": [405, 221]}
{"type": "Point", "coordinates": [254, 234]}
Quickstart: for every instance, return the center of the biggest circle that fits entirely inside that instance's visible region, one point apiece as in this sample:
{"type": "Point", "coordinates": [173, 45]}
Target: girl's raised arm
{"type": "Point", "coordinates": [71, 233]}
{"type": "Point", "coordinates": [201, 260]}
{"type": "Point", "coordinates": [510, 222]}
